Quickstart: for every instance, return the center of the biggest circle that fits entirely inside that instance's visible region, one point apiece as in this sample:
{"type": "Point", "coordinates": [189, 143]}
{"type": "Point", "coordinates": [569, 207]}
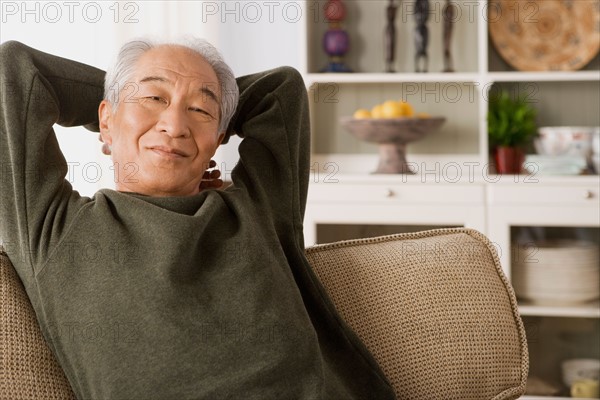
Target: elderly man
{"type": "Point", "coordinates": [161, 290]}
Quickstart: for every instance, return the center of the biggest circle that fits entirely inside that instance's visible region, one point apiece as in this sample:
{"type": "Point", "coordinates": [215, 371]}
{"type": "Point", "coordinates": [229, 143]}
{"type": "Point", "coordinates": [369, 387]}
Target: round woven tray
{"type": "Point", "coordinates": [545, 35]}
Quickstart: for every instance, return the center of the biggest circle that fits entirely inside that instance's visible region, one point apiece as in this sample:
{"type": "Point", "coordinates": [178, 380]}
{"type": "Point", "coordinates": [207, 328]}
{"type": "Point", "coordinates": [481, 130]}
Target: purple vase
{"type": "Point", "coordinates": [336, 42]}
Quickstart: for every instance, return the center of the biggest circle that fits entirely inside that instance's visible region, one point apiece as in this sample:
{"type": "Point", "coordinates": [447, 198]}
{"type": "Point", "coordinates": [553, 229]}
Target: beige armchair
{"type": "Point", "coordinates": [433, 307]}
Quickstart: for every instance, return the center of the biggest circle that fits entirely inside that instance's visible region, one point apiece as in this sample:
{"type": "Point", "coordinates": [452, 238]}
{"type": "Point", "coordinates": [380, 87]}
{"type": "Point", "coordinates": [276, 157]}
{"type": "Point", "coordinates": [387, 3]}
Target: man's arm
{"type": "Point", "coordinates": [273, 118]}
{"type": "Point", "coordinates": [37, 204]}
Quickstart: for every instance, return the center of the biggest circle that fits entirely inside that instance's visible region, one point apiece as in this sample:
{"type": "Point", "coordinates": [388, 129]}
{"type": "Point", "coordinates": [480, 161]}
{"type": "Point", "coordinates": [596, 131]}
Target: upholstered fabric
{"type": "Point", "coordinates": [28, 369]}
{"type": "Point", "coordinates": [434, 308]}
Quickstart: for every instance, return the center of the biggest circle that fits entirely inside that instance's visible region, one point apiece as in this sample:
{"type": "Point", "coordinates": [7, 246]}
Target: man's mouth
{"type": "Point", "coordinates": [168, 151]}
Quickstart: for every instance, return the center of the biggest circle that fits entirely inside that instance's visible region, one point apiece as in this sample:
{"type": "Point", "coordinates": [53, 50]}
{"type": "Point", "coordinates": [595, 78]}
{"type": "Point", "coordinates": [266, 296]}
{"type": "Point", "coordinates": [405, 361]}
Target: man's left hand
{"type": "Point", "coordinates": [211, 179]}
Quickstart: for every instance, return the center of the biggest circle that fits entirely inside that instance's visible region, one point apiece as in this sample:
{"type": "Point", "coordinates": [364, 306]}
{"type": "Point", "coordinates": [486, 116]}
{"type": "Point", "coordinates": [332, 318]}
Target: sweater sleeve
{"type": "Point", "coordinates": [37, 203]}
{"type": "Point", "coordinates": [272, 117]}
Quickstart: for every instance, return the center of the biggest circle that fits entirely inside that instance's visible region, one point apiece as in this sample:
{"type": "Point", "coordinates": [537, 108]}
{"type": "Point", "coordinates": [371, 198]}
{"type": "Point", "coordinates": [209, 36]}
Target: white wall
{"type": "Point", "coordinates": [252, 35]}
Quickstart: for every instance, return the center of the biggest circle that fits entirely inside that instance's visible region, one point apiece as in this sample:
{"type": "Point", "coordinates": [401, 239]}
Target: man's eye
{"type": "Point", "coordinates": [199, 110]}
{"type": "Point", "coordinates": [155, 98]}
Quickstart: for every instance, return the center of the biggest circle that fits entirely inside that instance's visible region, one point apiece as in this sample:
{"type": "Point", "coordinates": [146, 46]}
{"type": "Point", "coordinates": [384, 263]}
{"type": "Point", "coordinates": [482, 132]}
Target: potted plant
{"type": "Point", "coordinates": [511, 125]}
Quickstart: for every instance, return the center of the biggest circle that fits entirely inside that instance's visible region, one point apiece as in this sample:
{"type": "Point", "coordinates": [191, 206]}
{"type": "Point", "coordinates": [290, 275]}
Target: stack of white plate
{"type": "Point", "coordinates": [555, 165]}
{"type": "Point", "coordinates": [557, 272]}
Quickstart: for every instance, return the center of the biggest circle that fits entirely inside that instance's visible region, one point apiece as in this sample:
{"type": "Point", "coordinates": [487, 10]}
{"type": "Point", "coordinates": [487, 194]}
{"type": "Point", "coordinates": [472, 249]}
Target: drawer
{"type": "Point", "coordinates": [396, 193]}
{"type": "Point", "coordinates": [543, 194]}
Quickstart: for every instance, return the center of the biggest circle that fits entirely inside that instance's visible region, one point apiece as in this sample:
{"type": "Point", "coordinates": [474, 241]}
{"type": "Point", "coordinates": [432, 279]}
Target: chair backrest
{"type": "Point", "coordinates": [433, 307]}
{"type": "Point", "coordinates": [28, 369]}
{"type": "Point", "coordinates": [435, 310]}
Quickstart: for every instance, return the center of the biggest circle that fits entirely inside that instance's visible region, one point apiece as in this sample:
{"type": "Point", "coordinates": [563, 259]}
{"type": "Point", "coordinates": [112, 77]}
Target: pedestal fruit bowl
{"type": "Point", "coordinates": [392, 135]}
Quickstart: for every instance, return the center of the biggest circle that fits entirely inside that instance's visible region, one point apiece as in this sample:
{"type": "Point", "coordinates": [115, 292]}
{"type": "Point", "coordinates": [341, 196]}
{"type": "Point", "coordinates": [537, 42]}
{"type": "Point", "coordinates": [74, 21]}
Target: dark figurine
{"type": "Point", "coordinates": [449, 13]}
{"type": "Point", "coordinates": [421, 35]}
{"type": "Point", "coordinates": [390, 37]}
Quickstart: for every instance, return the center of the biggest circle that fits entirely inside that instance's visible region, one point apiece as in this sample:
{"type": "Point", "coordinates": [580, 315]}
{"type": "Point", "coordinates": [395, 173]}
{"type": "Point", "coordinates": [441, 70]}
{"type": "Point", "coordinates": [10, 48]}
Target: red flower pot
{"type": "Point", "coordinates": [509, 160]}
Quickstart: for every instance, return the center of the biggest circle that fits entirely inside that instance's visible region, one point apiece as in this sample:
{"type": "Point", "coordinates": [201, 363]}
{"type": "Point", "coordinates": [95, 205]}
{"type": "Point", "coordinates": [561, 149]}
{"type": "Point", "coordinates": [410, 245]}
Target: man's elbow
{"type": "Point", "coordinates": [10, 49]}
{"type": "Point", "coordinates": [292, 77]}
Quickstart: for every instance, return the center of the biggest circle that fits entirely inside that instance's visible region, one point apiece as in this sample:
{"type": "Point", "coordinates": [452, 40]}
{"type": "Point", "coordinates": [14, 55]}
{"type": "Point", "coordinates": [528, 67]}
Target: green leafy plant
{"type": "Point", "coordinates": [511, 122]}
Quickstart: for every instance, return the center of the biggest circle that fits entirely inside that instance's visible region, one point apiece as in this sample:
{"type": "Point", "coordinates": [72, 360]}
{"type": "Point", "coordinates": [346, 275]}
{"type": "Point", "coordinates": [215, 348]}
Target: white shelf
{"type": "Point", "coordinates": [581, 76]}
{"type": "Point", "coordinates": [365, 77]}
{"type": "Point", "coordinates": [591, 311]}
{"type": "Point", "coordinates": [361, 77]}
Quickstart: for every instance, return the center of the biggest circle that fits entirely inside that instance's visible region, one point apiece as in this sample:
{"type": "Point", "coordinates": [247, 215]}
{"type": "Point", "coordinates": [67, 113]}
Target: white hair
{"type": "Point", "coordinates": [122, 72]}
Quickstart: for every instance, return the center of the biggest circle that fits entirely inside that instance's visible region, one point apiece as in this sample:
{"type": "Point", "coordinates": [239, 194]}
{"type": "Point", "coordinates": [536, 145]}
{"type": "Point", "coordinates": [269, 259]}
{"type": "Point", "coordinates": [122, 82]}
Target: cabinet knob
{"type": "Point", "coordinates": [390, 193]}
{"type": "Point", "coordinates": [588, 194]}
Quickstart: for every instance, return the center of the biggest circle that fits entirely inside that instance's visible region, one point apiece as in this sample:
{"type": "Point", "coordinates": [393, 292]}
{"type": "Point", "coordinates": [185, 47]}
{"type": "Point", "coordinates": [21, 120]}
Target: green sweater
{"type": "Point", "coordinates": [208, 296]}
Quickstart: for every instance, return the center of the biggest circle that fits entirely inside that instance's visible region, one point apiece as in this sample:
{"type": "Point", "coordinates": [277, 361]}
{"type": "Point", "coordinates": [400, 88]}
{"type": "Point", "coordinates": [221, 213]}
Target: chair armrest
{"type": "Point", "coordinates": [434, 308]}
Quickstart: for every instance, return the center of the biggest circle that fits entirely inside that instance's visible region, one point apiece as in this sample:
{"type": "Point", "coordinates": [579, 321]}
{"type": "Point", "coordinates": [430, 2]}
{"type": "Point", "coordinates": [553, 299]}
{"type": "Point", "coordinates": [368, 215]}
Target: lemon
{"type": "Point", "coordinates": [377, 111]}
{"type": "Point", "coordinates": [423, 115]}
{"type": "Point", "coordinates": [392, 109]}
{"type": "Point", "coordinates": [362, 114]}
{"type": "Point", "coordinates": [407, 109]}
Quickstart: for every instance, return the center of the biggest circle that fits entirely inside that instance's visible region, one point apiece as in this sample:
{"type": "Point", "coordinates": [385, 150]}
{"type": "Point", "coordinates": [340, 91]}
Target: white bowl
{"type": "Point", "coordinates": [580, 368]}
{"type": "Point", "coordinates": [565, 140]}
{"type": "Point", "coordinates": [596, 141]}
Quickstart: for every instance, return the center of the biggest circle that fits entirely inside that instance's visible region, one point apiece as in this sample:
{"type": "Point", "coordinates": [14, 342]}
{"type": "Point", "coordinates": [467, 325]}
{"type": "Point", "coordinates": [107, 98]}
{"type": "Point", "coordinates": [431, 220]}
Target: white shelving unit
{"type": "Point", "coordinates": [455, 184]}
{"type": "Point", "coordinates": [590, 311]}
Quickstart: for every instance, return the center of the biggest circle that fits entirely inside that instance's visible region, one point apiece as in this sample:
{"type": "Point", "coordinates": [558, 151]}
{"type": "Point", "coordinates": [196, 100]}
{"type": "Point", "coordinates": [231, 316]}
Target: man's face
{"type": "Point", "coordinates": [164, 130]}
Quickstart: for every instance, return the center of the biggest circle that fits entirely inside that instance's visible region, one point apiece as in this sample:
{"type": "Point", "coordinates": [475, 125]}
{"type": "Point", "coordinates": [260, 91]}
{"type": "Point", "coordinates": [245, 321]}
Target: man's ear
{"type": "Point", "coordinates": [220, 139]}
{"type": "Point", "coordinates": [105, 114]}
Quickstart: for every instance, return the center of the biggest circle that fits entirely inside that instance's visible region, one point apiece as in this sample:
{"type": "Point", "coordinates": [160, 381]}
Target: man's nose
{"type": "Point", "coordinates": [173, 121]}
